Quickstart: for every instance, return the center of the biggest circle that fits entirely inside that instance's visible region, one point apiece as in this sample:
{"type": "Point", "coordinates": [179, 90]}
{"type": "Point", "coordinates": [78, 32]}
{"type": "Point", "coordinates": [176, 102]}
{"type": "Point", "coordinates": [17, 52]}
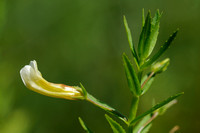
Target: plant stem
{"type": "Point", "coordinates": [134, 107]}
{"type": "Point", "coordinates": [107, 108]}
{"type": "Point", "coordinates": [133, 112]}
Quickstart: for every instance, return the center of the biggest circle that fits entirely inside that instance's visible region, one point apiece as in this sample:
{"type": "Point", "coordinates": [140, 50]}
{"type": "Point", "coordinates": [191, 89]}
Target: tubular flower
{"type": "Point", "coordinates": [32, 79]}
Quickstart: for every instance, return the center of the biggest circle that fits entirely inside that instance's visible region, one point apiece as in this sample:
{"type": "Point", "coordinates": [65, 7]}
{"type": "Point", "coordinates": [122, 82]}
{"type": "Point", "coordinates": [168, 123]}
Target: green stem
{"type": "Point", "coordinates": [133, 112]}
{"type": "Point", "coordinates": [107, 108]}
{"type": "Point", "coordinates": [134, 107]}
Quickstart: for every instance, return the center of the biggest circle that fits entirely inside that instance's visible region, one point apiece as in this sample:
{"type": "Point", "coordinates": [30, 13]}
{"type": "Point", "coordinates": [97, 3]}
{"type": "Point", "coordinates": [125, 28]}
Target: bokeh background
{"type": "Point", "coordinates": [77, 41]}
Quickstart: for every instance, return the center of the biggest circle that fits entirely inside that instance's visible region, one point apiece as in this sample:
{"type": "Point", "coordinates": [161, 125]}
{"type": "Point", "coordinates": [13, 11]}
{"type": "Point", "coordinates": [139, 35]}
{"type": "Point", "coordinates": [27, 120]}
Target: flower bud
{"type": "Point", "coordinates": [160, 66]}
{"type": "Point", "coordinates": [32, 79]}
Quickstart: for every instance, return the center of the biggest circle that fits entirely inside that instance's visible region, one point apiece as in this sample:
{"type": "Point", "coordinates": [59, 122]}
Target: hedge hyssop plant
{"type": "Point", "coordinates": [139, 80]}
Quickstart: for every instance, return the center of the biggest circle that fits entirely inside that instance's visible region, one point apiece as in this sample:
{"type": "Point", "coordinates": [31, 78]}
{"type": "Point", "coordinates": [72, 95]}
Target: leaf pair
{"type": "Point", "coordinates": [132, 78]}
{"type": "Point", "coordinates": [148, 36]}
{"type": "Point", "coordinates": [116, 127]}
{"type": "Point", "coordinates": [162, 49]}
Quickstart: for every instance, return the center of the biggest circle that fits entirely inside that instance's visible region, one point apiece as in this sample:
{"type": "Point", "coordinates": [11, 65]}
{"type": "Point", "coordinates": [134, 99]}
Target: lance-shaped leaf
{"type": "Point", "coordinates": [143, 17]}
{"type": "Point", "coordinates": [84, 126]}
{"type": "Point", "coordinates": [130, 41]}
{"type": "Point", "coordinates": [151, 40]}
{"type": "Point", "coordinates": [133, 81]}
{"type": "Point", "coordinates": [147, 128]}
{"type": "Point", "coordinates": [161, 50]}
{"type": "Point", "coordinates": [141, 123]}
{"type": "Point", "coordinates": [145, 34]}
{"type": "Point", "coordinates": [156, 107]}
{"type": "Point", "coordinates": [149, 35]}
{"type": "Point", "coordinates": [147, 84]}
{"type": "Point", "coordinates": [106, 107]}
{"type": "Point", "coordinates": [116, 127]}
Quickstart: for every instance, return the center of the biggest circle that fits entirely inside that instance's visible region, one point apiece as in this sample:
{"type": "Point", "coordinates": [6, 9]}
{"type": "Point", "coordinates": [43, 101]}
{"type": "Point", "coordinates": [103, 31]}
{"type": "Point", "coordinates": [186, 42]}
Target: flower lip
{"type": "Point", "coordinates": [32, 79]}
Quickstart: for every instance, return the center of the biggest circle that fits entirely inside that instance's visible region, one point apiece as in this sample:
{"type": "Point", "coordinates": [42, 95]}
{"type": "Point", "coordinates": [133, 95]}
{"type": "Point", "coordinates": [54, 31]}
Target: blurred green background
{"type": "Point", "coordinates": [82, 41]}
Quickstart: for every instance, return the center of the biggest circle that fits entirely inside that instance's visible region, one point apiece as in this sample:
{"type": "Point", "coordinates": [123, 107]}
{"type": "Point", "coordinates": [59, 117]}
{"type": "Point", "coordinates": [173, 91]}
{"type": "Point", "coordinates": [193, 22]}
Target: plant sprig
{"type": "Point", "coordinates": [139, 82]}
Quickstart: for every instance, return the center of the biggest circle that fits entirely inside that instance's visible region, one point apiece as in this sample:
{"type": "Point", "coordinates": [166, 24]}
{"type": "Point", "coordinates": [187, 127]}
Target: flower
{"type": "Point", "coordinates": [32, 79]}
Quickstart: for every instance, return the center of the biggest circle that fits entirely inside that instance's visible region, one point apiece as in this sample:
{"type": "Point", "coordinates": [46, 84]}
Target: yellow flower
{"type": "Point", "coordinates": [32, 78]}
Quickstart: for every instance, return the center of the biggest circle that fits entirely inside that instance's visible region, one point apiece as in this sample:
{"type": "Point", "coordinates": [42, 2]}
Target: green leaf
{"type": "Point", "coordinates": [133, 81]}
{"type": "Point", "coordinates": [151, 40]}
{"type": "Point", "coordinates": [161, 51]}
{"type": "Point", "coordinates": [156, 107]}
{"type": "Point", "coordinates": [106, 107]}
{"type": "Point", "coordinates": [141, 123]}
{"type": "Point", "coordinates": [144, 36]}
{"type": "Point", "coordinates": [147, 128]}
{"type": "Point", "coordinates": [116, 127]}
{"type": "Point", "coordinates": [149, 36]}
{"type": "Point", "coordinates": [147, 85]}
{"type": "Point", "coordinates": [84, 91]}
{"type": "Point", "coordinates": [84, 126]}
{"type": "Point", "coordinates": [143, 17]}
{"type": "Point", "coordinates": [130, 41]}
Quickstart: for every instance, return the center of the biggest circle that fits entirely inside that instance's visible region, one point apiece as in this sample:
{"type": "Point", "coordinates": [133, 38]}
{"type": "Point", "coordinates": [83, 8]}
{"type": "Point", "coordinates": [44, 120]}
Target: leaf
{"type": "Point", "coordinates": [84, 91]}
{"type": "Point", "coordinates": [116, 127]}
{"type": "Point", "coordinates": [130, 41]}
{"type": "Point", "coordinates": [161, 50]}
{"type": "Point", "coordinates": [156, 107]}
{"type": "Point", "coordinates": [147, 128]}
{"type": "Point", "coordinates": [141, 123]}
{"type": "Point", "coordinates": [106, 107]}
{"type": "Point", "coordinates": [84, 126]}
{"type": "Point", "coordinates": [133, 81]}
{"type": "Point", "coordinates": [151, 40]}
{"type": "Point", "coordinates": [147, 85]}
{"type": "Point", "coordinates": [145, 34]}
{"type": "Point", "coordinates": [143, 17]}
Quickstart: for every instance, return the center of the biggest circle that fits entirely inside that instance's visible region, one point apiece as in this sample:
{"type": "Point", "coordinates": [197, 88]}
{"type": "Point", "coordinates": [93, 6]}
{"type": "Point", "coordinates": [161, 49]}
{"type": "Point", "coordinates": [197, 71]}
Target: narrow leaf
{"type": "Point", "coordinates": [151, 40]}
{"type": "Point", "coordinates": [143, 17]}
{"type": "Point", "coordinates": [147, 128]}
{"type": "Point", "coordinates": [116, 127]}
{"type": "Point", "coordinates": [132, 78]}
{"type": "Point", "coordinates": [130, 41]}
{"type": "Point", "coordinates": [141, 123]}
{"type": "Point", "coordinates": [145, 34]}
{"type": "Point", "coordinates": [156, 107]}
{"type": "Point", "coordinates": [147, 85]}
{"type": "Point", "coordinates": [161, 51]}
{"type": "Point", "coordinates": [106, 107]}
{"type": "Point", "coordinates": [84, 126]}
